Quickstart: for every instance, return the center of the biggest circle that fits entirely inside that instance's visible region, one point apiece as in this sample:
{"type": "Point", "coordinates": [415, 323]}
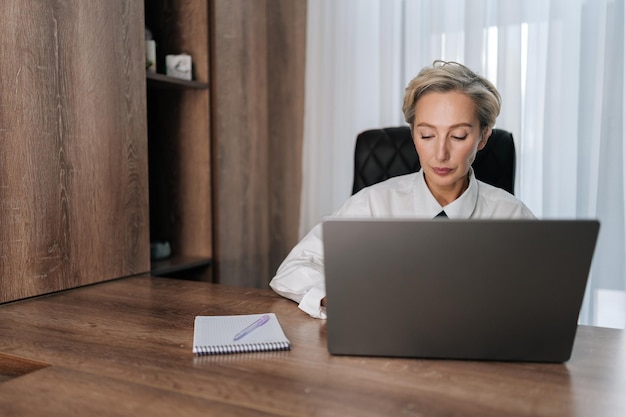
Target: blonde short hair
{"type": "Point", "coordinates": [444, 77]}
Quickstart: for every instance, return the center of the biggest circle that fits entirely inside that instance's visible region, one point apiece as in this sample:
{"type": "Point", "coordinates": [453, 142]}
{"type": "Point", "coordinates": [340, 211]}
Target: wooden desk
{"type": "Point", "coordinates": [123, 348]}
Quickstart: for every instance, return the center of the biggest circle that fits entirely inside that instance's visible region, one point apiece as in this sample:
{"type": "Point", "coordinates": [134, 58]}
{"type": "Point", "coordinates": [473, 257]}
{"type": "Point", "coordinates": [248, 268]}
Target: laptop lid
{"type": "Point", "coordinates": [460, 289]}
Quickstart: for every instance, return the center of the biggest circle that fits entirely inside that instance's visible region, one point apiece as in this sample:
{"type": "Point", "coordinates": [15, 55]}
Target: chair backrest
{"type": "Point", "coordinates": [380, 154]}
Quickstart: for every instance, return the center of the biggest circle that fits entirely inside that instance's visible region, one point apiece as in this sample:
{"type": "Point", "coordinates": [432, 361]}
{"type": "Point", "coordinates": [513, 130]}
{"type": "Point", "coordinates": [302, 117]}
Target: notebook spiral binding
{"type": "Point", "coordinates": [241, 348]}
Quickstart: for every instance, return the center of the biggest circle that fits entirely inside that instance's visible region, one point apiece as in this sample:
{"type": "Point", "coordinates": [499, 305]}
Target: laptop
{"type": "Point", "coordinates": [500, 290]}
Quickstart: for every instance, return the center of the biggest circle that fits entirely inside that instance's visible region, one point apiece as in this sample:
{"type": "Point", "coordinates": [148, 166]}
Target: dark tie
{"type": "Point", "coordinates": [442, 214]}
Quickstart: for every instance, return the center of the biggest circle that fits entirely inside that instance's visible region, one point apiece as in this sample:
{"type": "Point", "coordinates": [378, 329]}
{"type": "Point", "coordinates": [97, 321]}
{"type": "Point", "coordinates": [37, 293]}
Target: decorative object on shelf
{"type": "Point", "coordinates": [151, 64]}
{"type": "Point", "coordinates": [151, 55]}
{"type": "Point", "coordinates": [160, 250]}
{"type": "Point", "coordinates": [178, 66]}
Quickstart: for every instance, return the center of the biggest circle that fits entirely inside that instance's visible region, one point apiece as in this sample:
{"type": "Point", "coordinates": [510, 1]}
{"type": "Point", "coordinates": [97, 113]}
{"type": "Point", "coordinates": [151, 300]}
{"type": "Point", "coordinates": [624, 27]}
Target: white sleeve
{"type": "Point", "coordinates": [300, 277]}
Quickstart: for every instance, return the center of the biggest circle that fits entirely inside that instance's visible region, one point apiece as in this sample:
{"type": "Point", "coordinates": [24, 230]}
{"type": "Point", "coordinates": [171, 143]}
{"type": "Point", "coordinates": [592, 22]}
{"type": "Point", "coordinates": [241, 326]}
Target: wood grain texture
{"type": "Point", "coordinates": [124, 348]}
{"type": "Point", "coordinates": [241, 141]}
{"type": "Point", "coordinates": [258, 87]}
{"type": "Point", "coordinates": [73, 174]}
{"type": "Point", "coordinates": [286, 62]}
{"type": "Point", "coordinates": [179, 132]}
{"type": "Point", "coordinates": [13, 366]}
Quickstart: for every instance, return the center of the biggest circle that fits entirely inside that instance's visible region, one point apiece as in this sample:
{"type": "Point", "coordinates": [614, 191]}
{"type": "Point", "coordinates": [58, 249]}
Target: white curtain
{"type": "Point", "coordinates": [561, 69]}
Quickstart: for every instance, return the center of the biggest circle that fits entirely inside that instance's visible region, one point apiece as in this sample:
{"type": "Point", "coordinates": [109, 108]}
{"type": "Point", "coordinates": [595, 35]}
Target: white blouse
{"type": "Point", "coordinates": [300, 277]}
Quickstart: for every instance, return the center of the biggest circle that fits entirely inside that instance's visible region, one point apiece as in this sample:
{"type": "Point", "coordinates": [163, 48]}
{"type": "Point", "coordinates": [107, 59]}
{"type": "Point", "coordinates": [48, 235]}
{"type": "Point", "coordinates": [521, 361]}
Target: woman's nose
{"type": "Point", "coordinates": [441, 151]}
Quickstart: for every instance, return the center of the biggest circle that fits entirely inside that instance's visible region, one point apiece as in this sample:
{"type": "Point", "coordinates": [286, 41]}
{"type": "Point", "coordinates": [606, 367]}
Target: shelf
{"type": "Point", "coordinates": [162, 81]}
{"type": "Point", "coordinates": [178, 264]}
{"type": "Point", "coordinates": [179, 139]}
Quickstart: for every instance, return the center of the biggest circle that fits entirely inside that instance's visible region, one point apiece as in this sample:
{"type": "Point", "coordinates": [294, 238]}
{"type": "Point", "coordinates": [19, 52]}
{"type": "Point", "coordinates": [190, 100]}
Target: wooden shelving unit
{"type": "Point", "coordinates": [187, 267]}
{"type": "Point", "coordinates": [179, 141]}
{"type": "Point", "coordinates": [162, 81]}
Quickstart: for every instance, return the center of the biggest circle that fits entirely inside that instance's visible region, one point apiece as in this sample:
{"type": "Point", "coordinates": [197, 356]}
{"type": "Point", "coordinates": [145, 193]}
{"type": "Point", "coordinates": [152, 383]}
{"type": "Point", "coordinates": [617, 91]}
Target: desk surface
{"type": "Point", "coordinates": [124, 348]}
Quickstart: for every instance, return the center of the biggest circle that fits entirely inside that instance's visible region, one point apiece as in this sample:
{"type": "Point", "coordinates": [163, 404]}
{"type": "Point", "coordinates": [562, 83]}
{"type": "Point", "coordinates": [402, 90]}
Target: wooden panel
{"type": "Point", "coordinates": [73, 173]}
{"type": "Point", "coordinates": [240, 89]}
{"type": "Point", "coordinates": [258, 71]}
{"type": "Point", "coordinates": [179, 132]}
{"type": "Point", "coordinates": [286, 51]}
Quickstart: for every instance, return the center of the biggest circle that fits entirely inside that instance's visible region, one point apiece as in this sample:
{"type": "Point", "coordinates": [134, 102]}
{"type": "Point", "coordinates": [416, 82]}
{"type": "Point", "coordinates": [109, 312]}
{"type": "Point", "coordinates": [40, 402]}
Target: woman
{"type": "Point", "coordinates": [451, 112]}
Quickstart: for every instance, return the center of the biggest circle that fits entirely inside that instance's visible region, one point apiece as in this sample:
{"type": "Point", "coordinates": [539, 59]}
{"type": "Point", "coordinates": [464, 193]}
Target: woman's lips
{"type": "Point", "coordinates": [442, 171]}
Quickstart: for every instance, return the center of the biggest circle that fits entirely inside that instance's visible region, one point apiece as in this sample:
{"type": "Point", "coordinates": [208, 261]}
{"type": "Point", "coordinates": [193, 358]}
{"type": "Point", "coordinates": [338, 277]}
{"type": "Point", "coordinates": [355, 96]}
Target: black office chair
{"type": "Point", "coordinates": [380, 154]}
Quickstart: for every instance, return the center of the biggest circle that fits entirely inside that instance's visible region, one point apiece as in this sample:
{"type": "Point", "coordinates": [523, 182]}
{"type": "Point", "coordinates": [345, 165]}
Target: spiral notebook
{"type": "Point", "coordinates": [216, 335]}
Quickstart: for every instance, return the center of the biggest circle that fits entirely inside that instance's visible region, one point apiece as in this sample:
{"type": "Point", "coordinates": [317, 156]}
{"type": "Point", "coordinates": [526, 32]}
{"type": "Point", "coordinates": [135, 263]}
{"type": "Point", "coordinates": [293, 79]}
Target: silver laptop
{"type": "Point", "coordinates": [506, 290]}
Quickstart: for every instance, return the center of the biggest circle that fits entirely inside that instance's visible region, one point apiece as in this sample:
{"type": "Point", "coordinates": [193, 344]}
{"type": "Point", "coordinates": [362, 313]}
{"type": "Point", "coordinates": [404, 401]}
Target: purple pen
{"type": "Point", "coordinates": [260, 322]}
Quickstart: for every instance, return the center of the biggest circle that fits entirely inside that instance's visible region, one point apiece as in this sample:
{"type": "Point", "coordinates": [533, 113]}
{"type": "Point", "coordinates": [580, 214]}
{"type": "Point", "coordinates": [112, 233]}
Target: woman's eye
{"type": "Point", "coordinates": [459, 137]}
{"type": "Point", "coordinates": [426, 136]}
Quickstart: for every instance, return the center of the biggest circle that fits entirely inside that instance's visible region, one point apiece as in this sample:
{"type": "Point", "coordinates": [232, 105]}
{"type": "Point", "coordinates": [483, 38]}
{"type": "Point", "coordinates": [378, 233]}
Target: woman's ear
{"type": "Point", "coordinates": [484, 138]}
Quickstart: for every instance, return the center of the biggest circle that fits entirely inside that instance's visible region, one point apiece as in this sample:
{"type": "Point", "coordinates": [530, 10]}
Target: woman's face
{"type": "Point", "coordinates": [446, 133]}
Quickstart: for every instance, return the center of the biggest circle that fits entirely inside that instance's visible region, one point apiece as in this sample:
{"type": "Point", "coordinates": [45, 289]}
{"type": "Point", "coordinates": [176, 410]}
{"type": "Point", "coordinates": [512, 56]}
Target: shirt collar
{"type": "Point", "coordinates": [462, 208]}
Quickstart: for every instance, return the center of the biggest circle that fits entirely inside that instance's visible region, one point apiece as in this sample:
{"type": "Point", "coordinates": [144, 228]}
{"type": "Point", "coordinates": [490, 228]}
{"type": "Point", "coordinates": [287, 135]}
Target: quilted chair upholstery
{"type": "Point", "coordinates": [384, 153]}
